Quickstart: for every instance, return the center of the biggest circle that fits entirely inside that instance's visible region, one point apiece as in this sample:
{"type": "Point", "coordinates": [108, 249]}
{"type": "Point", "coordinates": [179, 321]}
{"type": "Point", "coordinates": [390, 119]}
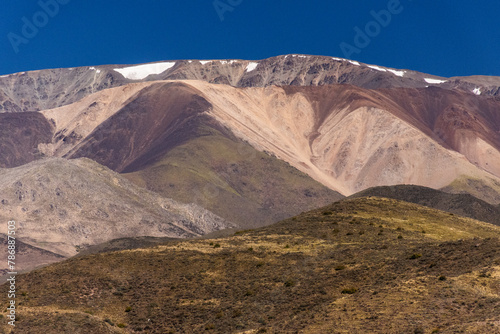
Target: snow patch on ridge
{"type": "Point", "coordinates": [251, 66]}
{"type": "Point", "coordinates": [377, 68]}
{"type": "Point", "coordinates": [477, 91]}
{"type": "Point", "coordinates": [395, 72]}
{"type": "Point", "coordinates": [223, 62]}
{"type": "Point", "coordinates": [434, 81]}
{"type": "Point", "coordinates": [140, 72]}
{"type": "Point", "coordinates": [398, 73]}
{"type": "Point", "coordinates": [354, 62]}
{"type": "Point", "coordinates": [228, 61]}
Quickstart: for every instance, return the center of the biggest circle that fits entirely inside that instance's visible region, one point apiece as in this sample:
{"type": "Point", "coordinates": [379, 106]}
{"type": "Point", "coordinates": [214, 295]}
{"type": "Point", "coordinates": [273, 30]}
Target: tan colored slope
{"type": "Point", "coordinates": [271, 121]}
{"type": "Point", "coordinates": [479, 152]}
{"type": "Point", "coordinates": [349, 150]}
{"type": "Point", "coordinates": [77, 120]}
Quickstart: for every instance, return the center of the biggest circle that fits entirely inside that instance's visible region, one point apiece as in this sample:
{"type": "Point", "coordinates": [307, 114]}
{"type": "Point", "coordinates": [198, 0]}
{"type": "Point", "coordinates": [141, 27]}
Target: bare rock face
{"type": "Point", "coordinates": [46, 89]}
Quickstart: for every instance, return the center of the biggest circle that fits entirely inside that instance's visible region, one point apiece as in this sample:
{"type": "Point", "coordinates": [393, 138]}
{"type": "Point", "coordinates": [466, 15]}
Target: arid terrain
{"type": "Point", "coordinates": [367, 265]}
{"type": "Point", "coordinates": [295, 194]}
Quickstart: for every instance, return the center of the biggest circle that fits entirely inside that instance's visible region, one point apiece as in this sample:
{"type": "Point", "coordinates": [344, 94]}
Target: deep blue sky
{"type": "Point", "coordinates": [443, 37]}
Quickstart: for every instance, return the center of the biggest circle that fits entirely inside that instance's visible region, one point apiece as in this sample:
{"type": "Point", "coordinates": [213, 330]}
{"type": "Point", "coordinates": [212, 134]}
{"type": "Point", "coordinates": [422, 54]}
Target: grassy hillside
{"type": "Point", "coordinates": [367, 265]}
{"type": "Point", "coordinates": [461, 204]}
{"type": "Point", "coordinates": [233, 180]}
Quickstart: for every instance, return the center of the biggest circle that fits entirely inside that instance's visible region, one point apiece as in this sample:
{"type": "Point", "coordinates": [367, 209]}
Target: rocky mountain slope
{"type": "Point", "coordinates": [357, 266]}
{"type": "Point", "coordinates": [64, 205]}
{"type": "Point", "coordinates": [47, 89]}
{"type": "Point", "coordinates": [160, 136]}
{"type": "Point", "coordinates": [345, 137]}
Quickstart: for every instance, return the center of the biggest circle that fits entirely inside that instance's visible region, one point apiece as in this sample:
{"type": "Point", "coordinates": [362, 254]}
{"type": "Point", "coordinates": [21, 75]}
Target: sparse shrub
{"type": "Point", "coordinates": [340, 267]}
{"type": "Point", "coordinates": [109, 321]}
{"type": "Point", "coordinates": [415, 256]}
{"type": "Point", "coordinates": [423, 231]}
{"type": "Point", "coordinates": [349, 233]}
{"type": "Point", "coordinates": [262, 330]}
{"type": "Point", "coordinates": [361, 232]}
{"type": "Point", "coordinates": [349, 291]}
{"type": "Point", "coordinates": [242, 232]}
{"type": "Point", "coordinates": [128, 309]}
{"type": "Point", "coordinates": [217, 245]}
{"type": "Point", "coordinates": [219, 315]}
{"type": "Point", "coordinates": [237, 313]}
{"type": "Point", "coordinates": [121, 325]}
{"type": "Point", "coordinates": [484, 274]}
{"type": "Point", "coordinates": [442, 278]}
{"type": "Point", "coordinates": [211, 244]}
{"type": "Point", "coordinates": [209, 326]}
{"type": "Point", "coordinates": [289, 283]}
{"type": "Point", "coordinates": [287, 246]}
{"type": "Point", "coordinates": [436, 330]}
{"type": "Point", "coordinates": [249, 293]}
{"type": "Point", "coordinates": [327, 213]}
{"type": "Point", "coordinates": [384, 247]}
{"type": "Point", "coordinates": [260, 264]}
{"type": "Point", "coordinates": [250, 249]}
{"type": "Point", "coordinates": [400, 237]}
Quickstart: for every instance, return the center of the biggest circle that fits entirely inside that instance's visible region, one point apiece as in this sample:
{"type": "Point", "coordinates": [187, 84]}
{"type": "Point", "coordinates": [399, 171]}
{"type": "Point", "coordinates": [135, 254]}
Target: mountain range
{"type": "Point", "coordinates": [116, 157]}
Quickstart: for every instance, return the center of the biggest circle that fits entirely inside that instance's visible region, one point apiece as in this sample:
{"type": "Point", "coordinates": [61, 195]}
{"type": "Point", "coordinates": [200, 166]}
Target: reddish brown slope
{"type": "Point", "coordinates": [20, 135]}
{"type": "Point", "coordinates": [156, 119]}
